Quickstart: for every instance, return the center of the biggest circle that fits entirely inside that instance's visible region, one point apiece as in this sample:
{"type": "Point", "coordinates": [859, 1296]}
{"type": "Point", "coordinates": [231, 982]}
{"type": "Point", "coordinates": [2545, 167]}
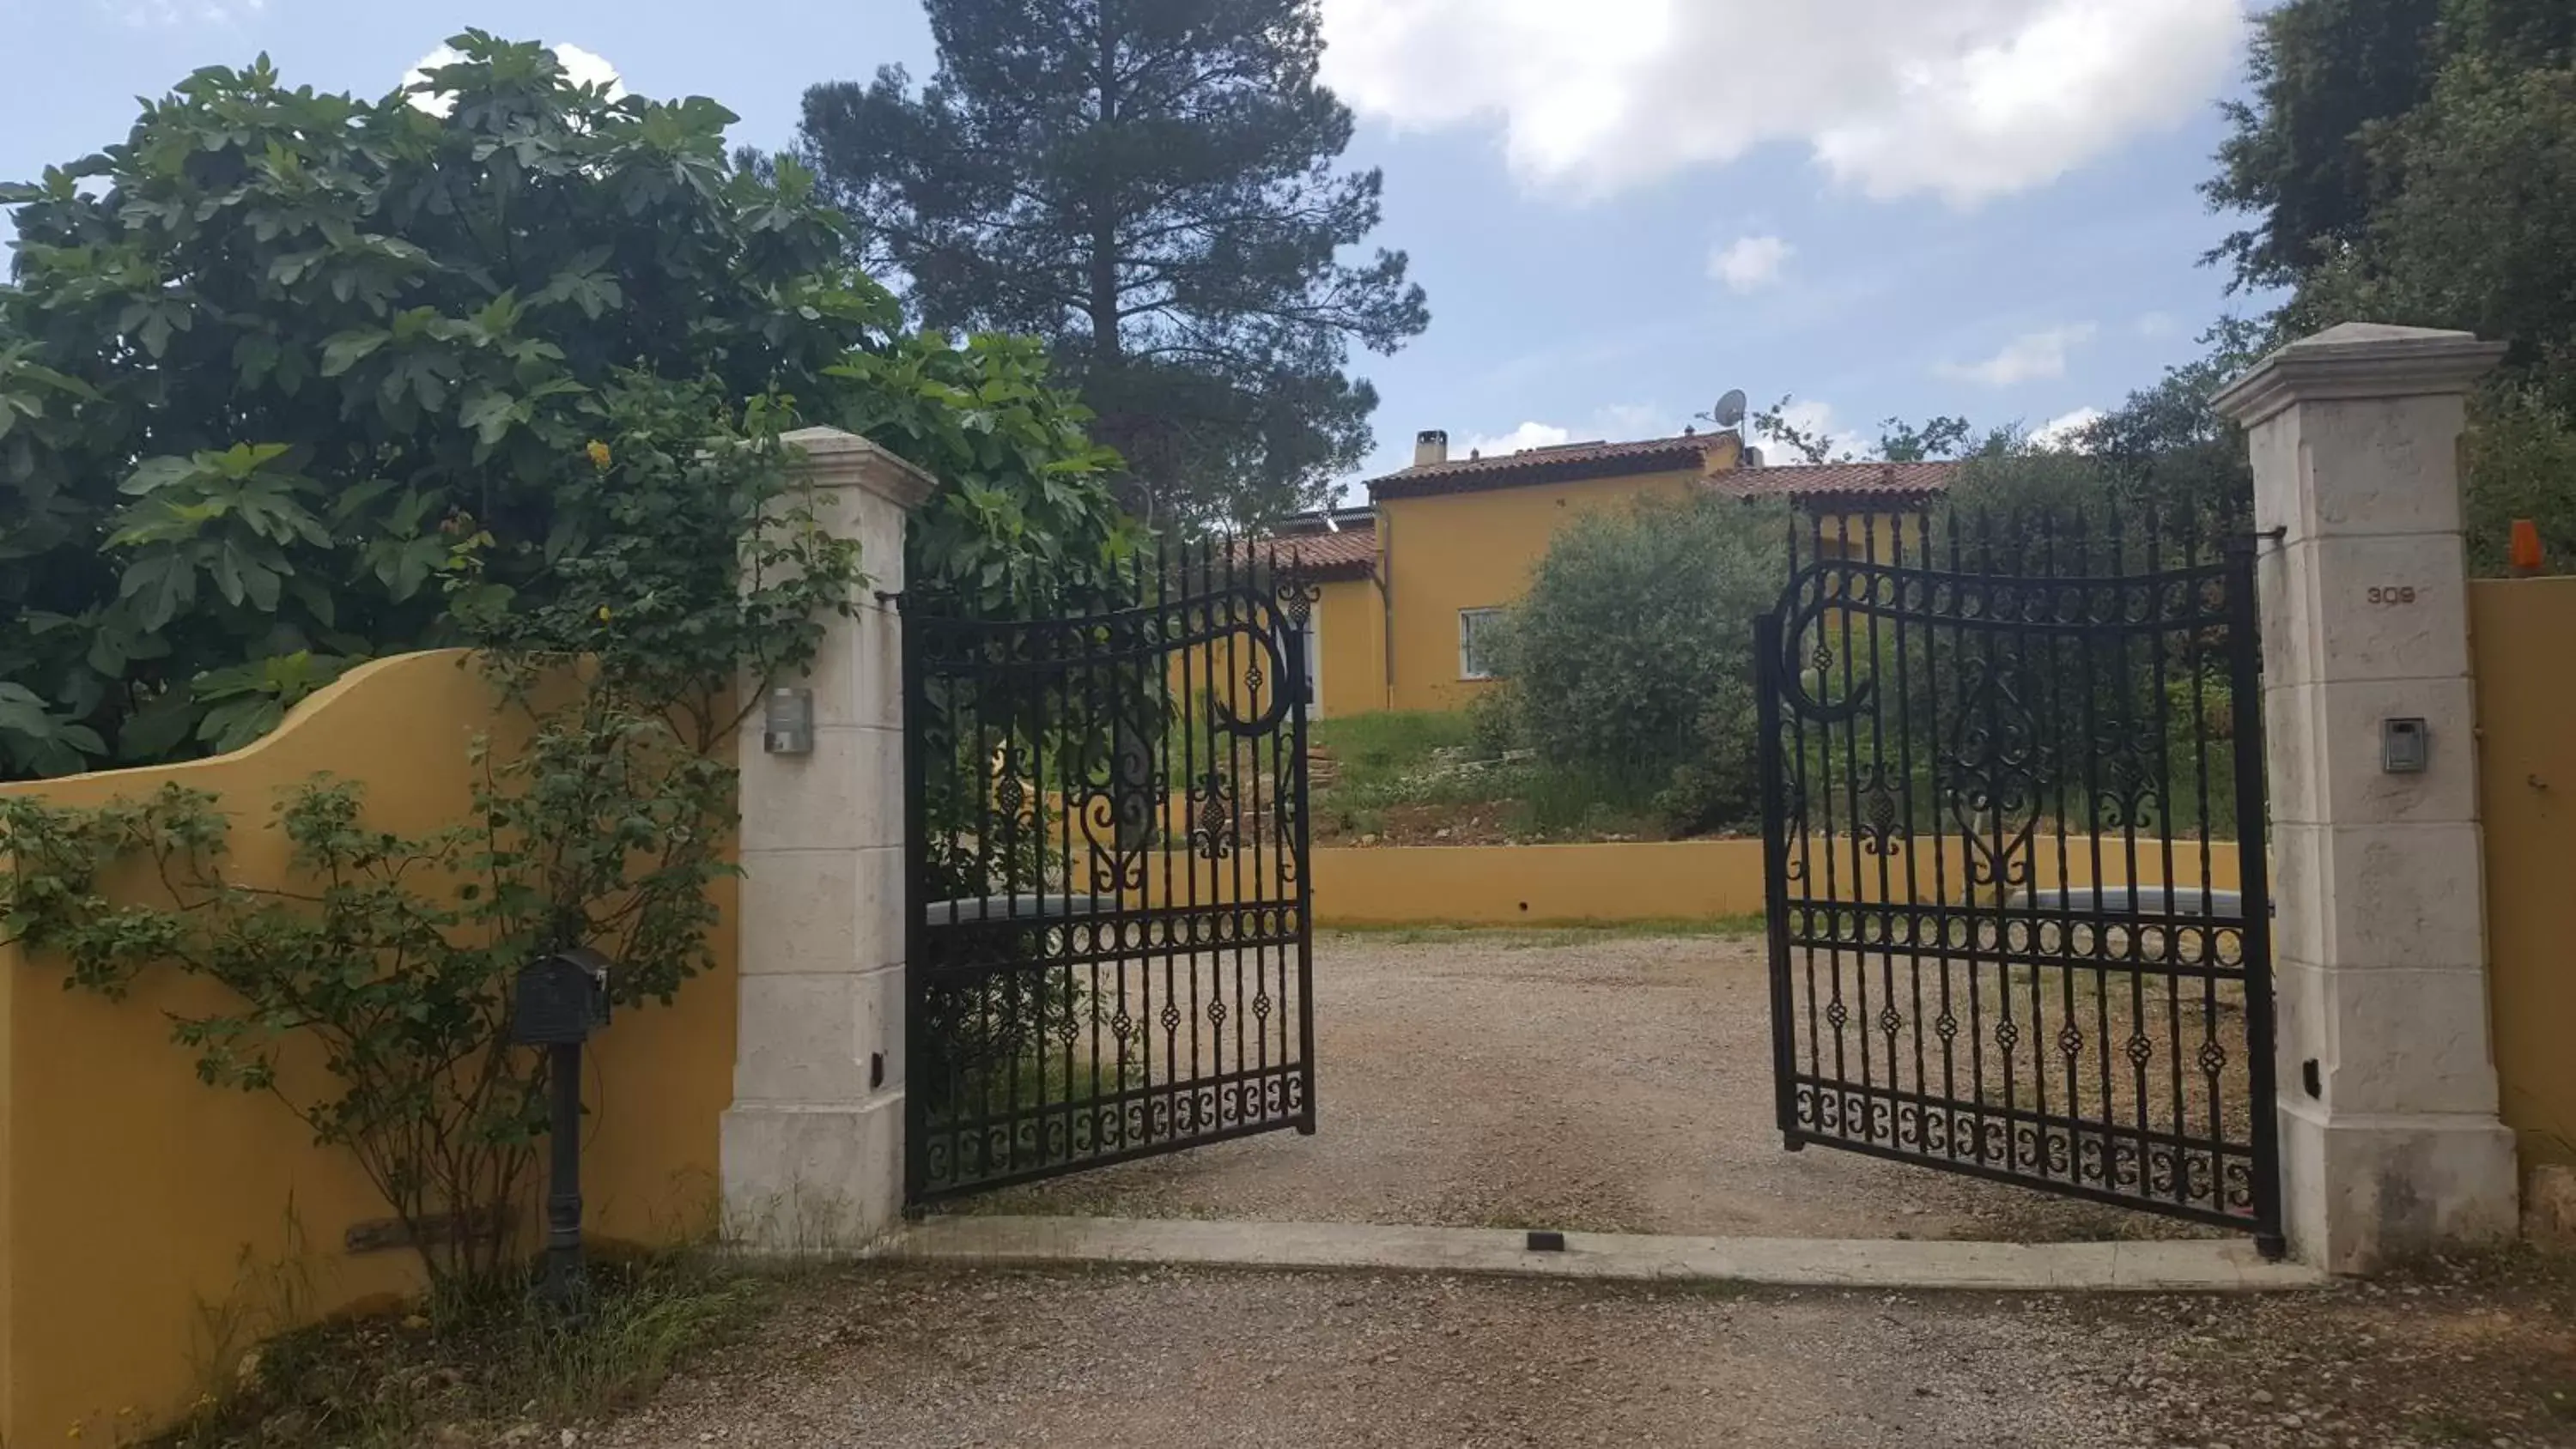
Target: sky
{"type": "Point", "coordinates": [1621, 208]}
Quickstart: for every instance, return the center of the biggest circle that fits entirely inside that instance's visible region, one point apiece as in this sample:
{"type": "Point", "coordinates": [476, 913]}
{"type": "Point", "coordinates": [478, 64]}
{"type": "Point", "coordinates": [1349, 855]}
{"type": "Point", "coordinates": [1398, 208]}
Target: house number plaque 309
{"type": "Point", "coordinates": [2392, 595]}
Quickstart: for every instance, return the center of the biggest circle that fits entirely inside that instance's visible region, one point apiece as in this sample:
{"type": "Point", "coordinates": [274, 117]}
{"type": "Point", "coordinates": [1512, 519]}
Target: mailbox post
{"type": "Point", "coordinates": [562, 998]}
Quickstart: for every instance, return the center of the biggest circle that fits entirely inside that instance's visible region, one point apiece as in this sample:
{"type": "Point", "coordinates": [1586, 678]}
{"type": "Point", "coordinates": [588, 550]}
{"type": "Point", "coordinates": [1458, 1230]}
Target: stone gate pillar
{"type": "Point", "coordinates": [812, 1147]}
{"type": "Point", "coordinates": [2389, 1137]}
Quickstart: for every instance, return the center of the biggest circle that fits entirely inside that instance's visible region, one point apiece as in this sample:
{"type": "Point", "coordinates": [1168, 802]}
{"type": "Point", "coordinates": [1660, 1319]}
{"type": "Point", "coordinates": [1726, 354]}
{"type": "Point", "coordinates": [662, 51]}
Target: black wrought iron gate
{"type": "Point", "coordinates": [2014, 847]}
{"type": "Point", "coordinates": [1106, 872]}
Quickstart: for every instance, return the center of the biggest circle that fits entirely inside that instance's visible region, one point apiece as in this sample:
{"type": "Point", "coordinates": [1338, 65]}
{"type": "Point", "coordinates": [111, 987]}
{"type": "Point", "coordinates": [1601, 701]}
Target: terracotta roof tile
{"type": "Point", "coordinates": [1809, 480]}
{"type": "Point", "coordinates": [1349, 554]}
{"type": "Point", "coordinates": [1544, 465]}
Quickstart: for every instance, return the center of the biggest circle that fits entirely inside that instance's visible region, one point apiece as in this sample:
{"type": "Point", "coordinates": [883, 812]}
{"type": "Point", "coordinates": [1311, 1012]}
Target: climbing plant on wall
{"type": "Point", "coordinates": [396, 954]}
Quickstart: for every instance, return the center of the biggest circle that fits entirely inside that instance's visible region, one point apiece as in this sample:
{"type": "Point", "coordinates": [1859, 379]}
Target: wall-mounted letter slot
{"type": "Point", "coordinates": [2404, 745]}
{"type": "Point", "coordinates": [787, 722]}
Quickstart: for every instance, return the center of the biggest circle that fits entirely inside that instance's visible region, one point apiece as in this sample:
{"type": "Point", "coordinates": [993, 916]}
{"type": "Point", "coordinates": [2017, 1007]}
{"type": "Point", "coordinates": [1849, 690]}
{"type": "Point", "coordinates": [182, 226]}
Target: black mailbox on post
{"type": "Point", "coordinates": [563, 998]}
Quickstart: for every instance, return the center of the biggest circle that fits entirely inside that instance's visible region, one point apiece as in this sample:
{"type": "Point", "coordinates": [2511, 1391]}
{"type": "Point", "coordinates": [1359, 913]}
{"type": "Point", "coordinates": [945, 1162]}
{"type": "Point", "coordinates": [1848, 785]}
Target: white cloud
{"type": "Point", "coordinates": [1750, 263]}
{"type": "Point", "coordinates": [1628, 422]}
{"type": "Point", "coordinates": [2156, 324]}
{"type": "Point", "coordinates": [582, 67]}
{"type": "Point", "coordinates": [1527, 435]}
{"type": "Point", "coordinates": [587, 67]}
{"type": "Point", "coordinates": [160, 14]}
{"type": "Point", "coordinates": [2058, 433]}
{"type": "Point", "coordinates": [2030, 356]}
{"type": "Point", "coordinates": [1964, 99]}
{"type": "Point", "coordinates": [1814, 420]}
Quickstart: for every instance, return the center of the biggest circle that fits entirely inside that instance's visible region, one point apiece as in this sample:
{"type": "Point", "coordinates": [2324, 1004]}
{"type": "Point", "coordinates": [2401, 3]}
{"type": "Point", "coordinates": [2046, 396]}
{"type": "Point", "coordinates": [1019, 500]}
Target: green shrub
{"type": "Point", "coordinates": [291, 379]}
{"type": "Point", "coordinates": [1632, 657]}
{"type": "Point", "coordinates": [1494, 721]}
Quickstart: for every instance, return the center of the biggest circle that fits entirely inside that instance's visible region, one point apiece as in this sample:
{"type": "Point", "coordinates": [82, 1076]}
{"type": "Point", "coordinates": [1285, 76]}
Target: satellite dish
{"type": "Point", "coordinates": [1730, 408]}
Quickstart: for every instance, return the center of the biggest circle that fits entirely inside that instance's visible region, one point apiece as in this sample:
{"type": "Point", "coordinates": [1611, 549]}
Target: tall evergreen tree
{"type": "Point", "coordinates": [2311, 157]}
{"type": "Point", "coordinates": [2406, 161]}
{"type": "Point", "coordinates": [2321, 73]}
{"type": "Point", "coordinates": [1149, 185]}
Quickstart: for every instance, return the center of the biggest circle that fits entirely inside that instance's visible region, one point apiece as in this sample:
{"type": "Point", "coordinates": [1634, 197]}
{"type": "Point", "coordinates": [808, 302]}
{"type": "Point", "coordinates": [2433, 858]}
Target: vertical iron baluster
{"type": "Point", "coordinates": [1169, 716]}
{"type": "Point", "coordinates": [1873, 577]}
{"type": "Point", "coordinates": [2064, 935]}
{"type": "Point", "coordinates": [1039, 979]}
{"type": "Point", "coordinates": [1240, 616]}
{"type": "Point", "coordinates": [1791, 666]}
{"type": "Point", "coordinates": [2096, 948]}
{"type": "Point", "coordinates": [2132, 799]}
{"type": "Point", "coordinates": [1829, 582]}
{"type": "Point", "coordinates": [1775, 862]}
{"type": "Point", "coordinates": [2254, 945]}
{"type": "Point", "coordinates": [1900, 607]}
{"type": "Point", "coordinates": [1265, 582]}
{"type": "Point", "coordinates": [1193, 710]}
{"type": "Point", "coordinates": [2160, 635]}
{"type": "Point", "coordinates": [2206, 933]}
{"type": "Point", "coordinates": [1021, 980]}
{"type": "Point", "coordinates": [1944, 788]}
{"type": "Point", "coordinates": [1975, 829]}
{"type": "Point", "coordinates": [985, 974]}
{"type": "Point", "coordinates": [914, 647]}
{"type": "Point", "coordinates": [1853, 579]}
{"type": "Point", "coordinates": [2020, 860]}
{"type": "Point", "coordinates": [2037, 597]}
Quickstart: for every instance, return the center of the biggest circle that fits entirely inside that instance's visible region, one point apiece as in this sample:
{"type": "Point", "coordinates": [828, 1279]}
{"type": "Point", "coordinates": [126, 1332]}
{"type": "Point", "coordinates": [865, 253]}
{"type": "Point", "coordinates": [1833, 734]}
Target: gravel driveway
{"type": "Point", "coordinates": [1165, 1359]}
{"type": "Point", "coordinates": [1578, 1080]}
{"type": "Point", "coordinates": [936, 1356]}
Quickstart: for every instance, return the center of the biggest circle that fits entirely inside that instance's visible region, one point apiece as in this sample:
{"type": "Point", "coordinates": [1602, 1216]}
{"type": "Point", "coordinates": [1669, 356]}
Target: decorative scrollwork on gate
{"type": "Point", "coordinates": [2001, 802]}
{"type": "Point", "coordinates": [1110, 958]}
{"type": "Point", "coordinates": [1877, 811]}
{"type": "Point", "coordinates": [1993, 773]}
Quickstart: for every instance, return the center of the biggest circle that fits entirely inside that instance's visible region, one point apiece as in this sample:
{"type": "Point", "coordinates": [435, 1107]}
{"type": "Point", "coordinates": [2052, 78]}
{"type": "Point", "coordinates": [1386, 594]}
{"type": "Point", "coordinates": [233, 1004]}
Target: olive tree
{"type": "Point", "coordinates": [1631, 658]}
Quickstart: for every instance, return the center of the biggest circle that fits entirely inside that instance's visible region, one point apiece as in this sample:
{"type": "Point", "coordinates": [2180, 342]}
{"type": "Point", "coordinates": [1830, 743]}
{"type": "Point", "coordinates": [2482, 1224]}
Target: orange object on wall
{"type": "Point", "coordinates": [2524, 552]}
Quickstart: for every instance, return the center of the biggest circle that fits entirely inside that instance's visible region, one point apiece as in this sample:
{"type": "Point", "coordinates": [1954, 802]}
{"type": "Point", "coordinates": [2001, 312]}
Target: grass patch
{"type": "Point", "coordinates": [1561, 802]}
{"type": "Point", "coordinates": [1377, 751]}
{"type": "Point", "coordinates": [1407, 774]}
{"type": "Point", "coordinates": [488, 1365]}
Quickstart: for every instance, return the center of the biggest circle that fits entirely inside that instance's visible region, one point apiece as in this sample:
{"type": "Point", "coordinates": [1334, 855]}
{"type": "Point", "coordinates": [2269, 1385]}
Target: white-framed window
{"type": "Point", "coordinates": [1476, 631]}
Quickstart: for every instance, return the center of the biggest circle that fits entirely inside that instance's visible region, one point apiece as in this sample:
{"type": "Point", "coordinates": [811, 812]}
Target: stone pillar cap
{"type": "Point", "coordinates": [836, 459]}
{"type": "Point", "coordinates": [2359, 360]}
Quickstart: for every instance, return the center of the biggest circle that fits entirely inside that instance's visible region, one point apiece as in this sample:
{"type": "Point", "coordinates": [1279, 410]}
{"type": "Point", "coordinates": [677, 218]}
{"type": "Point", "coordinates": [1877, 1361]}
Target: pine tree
{"type": "Point", "coordinates": [1150, 186]}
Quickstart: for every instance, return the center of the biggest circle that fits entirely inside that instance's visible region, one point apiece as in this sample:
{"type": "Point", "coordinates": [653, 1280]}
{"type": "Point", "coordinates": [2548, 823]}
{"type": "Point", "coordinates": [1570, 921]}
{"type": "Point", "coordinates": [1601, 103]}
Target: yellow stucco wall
{"type": "Point", "coordinates": [2520, 630]}
{"type": "Point", "coordinates": [141, 1211]}
{"type": "Point", "coordinates": [1643, 880]}
{"type": "Point", "coordinates": [1350, 629]}
{"type": "Point", "coordinates": [1476, 550]}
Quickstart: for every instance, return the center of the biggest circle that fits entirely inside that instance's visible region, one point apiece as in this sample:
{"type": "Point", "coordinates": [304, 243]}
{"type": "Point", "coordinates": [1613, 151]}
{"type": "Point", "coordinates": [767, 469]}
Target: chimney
{"type": "Point", "coordinates": [1429, 447]}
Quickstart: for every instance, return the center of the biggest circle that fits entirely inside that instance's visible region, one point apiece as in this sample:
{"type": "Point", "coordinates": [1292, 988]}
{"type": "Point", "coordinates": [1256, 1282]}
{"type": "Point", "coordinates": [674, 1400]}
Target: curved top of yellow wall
{"type": "Point", "coordinates": [373, 712]}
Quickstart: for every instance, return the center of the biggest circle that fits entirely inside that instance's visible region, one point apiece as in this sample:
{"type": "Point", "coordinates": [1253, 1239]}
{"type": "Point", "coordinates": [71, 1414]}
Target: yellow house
{"type": "Point", "coordinates": [1409, 585]}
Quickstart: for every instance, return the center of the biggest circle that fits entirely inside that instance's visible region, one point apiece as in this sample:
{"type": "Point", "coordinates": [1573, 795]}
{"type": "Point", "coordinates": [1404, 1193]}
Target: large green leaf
{"type": "Point", "coordinates": [158, 585]}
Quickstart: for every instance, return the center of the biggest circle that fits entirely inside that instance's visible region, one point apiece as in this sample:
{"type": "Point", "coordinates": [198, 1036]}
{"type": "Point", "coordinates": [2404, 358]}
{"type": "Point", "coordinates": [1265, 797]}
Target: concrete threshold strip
{"type": "Point", "coordinates": [2204, 1265]}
